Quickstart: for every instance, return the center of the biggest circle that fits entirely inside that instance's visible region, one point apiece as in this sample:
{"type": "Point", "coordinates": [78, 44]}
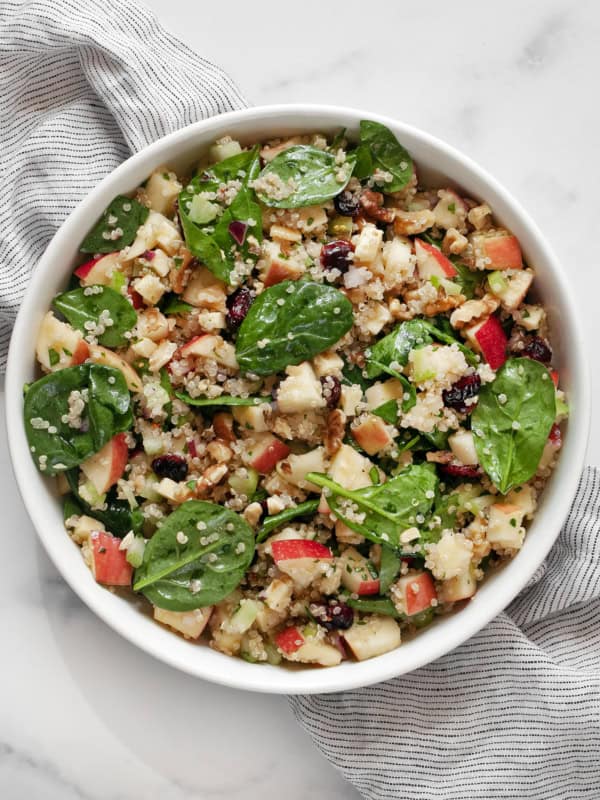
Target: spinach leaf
{"type": "Point", "coordinates": [201, 567]}
{"type": "Point", "coordinates": [352, 374]}
{"type": "Point", "coordinates": [410, 392]}
{"type": "Point", "coordinates": [222, 400]}
{"type": "Point", "coordinates": [274, 335]}
{"type": "Point", "coordinates": [388, 412]}
{"type": "Point", "coordinates": [363, 168]}
{"type": "Point", "coordinates": [396, 346]}
{"type": "Point", "coordinates": [83, 311]}
{"type": "Point", "coordinates": [387, 154]}
{"type": "Point", "coordinates": [388, 508]}
{"type": "Point", "coordinates": [123, 213]}
{"type": "Point", "coordinates": [389, 569]}
{"type": "Point", "coordinates": [118, 518]}
{"type": "Point", "coordinates": [212, 242]}
{"type": "Point", "coordinates": [442, 331]}
{"type": "Point", "coordinates": [374, 605]}
{"type": "Point", "coordinates": [172, 304]}
{"type": "Point", "coordinates": [72, 507]}
{"type": "Point", "coordinates": [271, 523]}
{"type": "Point", "coordinates": [107, 412]}
{"type": "Point", "coordinates": [313, 176]}
{"type": "Point", "coordinates": [512, 420]}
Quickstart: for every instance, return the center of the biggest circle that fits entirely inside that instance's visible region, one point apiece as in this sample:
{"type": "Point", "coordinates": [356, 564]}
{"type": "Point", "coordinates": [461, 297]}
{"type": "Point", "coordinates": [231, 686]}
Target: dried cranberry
{"type": "Point", "coordinates": [238, 305]}
{"type": "Point", "coordinates": [332, 390]}
{"type": "Point", "coordinates": [464, 389]}
{"type": "Point", "coordinates": [346, 204]}
{"type": "Point", "coordinates": [171, 466]}
{"type": "Point", "coordinates": [335, 615]}
{"type": "Point", "coordinates": [461, 470]}
{"type": "Point", "coordinates": [537, 349]}
{"type": "Point", "coordinates": [336, 255]}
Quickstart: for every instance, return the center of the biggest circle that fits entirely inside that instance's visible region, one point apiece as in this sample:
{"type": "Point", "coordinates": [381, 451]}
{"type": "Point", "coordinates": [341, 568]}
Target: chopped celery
{"type": "Point", "coordinates": [201, 210]}
{"type": "Point", "coordinates": [244, 481]}
{"type": "Point", "coordinates": [340, 227]}
{"type": "Point", "coordinates": [135, 552]}
{"type": "Point", "coordinates": [497, 282]}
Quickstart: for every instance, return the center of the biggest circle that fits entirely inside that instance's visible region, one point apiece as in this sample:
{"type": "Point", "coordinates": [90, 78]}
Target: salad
{"type": "Point", "coordinates": [296, 402]}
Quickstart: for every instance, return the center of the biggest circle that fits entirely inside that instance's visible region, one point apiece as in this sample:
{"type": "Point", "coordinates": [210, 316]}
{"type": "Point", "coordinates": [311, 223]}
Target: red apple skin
{"type": "Point", "coordinates": [372, 435]}
{"type": "Point", "coordinates": [288, 549]}
{"type": "Point", "coordinates": [503, 251]}
{"type": "Point", "coordinates": [289, 640]}
{"type": "Point", "coordinates": [447, 267]}
{"type": "Point", "coordinates": [82, 351]}
{"type": "Point", "coordinates": [492, 340]}
{"type": "Point", "coordinates": [418, 593]}
{"type": "Point", "coordinates": [368, 587]}
{"type": "Point", "coordinates": [278, 273]}
{"type": "Point", "coordinates": [269, 455]}
{"type": "Point", "coordinates": [111, 567]}
{"type": "Point", "coordinates": [555, 436]}
{"type": "Point", "coordinates": [136, 298]}
{"type": "Point", "coordinates": [83, 270]}
{"type": "Point", "coordinates": [109, 462]}
{"type": "Point", "coordinates": [554, 376]}
{"type": "Point", "coordinates": [202, 345]}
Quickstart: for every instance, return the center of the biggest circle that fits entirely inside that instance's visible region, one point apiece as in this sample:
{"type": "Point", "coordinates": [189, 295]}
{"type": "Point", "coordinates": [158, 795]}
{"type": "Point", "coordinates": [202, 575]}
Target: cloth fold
{"type": "Point", "coordinates": [83, 85]}
{"type": "Point", "coordinates": [512, 713]}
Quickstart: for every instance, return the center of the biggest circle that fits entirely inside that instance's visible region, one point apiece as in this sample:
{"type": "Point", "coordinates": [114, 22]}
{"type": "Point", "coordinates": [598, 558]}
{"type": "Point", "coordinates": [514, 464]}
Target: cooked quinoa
{"type": "Point", "coordinates": [298, 402]}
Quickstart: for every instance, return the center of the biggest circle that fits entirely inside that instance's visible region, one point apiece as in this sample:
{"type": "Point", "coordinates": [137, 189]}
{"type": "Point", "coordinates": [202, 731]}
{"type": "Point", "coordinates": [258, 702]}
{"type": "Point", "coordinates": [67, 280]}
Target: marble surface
{"type": "Point", "coordinates": [83, 714]}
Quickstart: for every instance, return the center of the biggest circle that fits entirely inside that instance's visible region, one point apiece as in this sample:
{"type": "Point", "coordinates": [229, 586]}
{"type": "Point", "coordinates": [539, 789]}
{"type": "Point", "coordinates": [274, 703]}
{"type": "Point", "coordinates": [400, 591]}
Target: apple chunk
{"type": "Point", "coordinates": [372, 434]}
{"type": "Point", "coordinates": [98, 271]}
{"type": "Point", "coordinates": [189, 623]}
{"type": "Point", "coordinates": [109, 562]}
{"type": "Point", "coordinates": [432, 262]}
{"type": "Point", "coordinates": [414, 593]}
{"type": "Point", "coordinates": [303, 560]}
{"type": "Point", "coordinates": [489, 338]}
{"type": "Point", "coordinates": [266, 452]}
{"type": "Point", "coordinates": [106, 466]}
{"type": "Point", "coordinates": [59, 345]}
{"type": "Point", "coordinates": [373, 636]}
{"type": "Point", "coordinates": [497, 250]}
{"type": "Point", "coordinates": [358, 574]}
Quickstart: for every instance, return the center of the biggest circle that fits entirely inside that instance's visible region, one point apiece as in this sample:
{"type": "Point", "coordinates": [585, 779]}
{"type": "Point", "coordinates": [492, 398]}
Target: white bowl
{"type": "Point", "coordinates": [436, 161]}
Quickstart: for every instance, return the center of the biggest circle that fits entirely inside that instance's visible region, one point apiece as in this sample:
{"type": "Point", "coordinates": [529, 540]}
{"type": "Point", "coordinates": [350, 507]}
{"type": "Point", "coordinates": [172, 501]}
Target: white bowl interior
{"type": "Point", "coordinates": [436, 161]}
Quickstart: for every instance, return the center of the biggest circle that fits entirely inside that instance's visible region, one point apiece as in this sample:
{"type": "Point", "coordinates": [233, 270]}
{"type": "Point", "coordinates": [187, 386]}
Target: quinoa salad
{"type": "Point", "coordinates": [296, 404]}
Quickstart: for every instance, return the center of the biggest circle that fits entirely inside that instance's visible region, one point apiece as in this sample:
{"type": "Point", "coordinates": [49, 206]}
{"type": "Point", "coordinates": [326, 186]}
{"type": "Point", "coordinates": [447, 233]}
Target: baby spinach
{"type": "Point", "coordinates": [396, 346]}
{"type": "Point", "coordinates": [107, 412]}
{"type": "Point", "coordinates": [374, 605]}
{"type": "Point", "coordinates": [389, 568]}
{"type": "Point", "coordinates": [124, 214]}
{"type": "Point", "coordinates": [289, 323]}
{"type": "Point", "coordinates": [83, 309]}
{"type": "Point", "coordinates": [353, 375]}
{"type": "Point", "coordinates": [197, 557]}
{"type": "Point", "coordinates": [222, 400]}
{"type": "Point", "coordinates": [172, 304]}
{"type": "Point", "coordinates": [468, 280]}
{"type": "Point", "coordinates": [389, 508]}
{"type": "Point", "coordinates": [117, 517]}
{"type": "Point", "coordinates": [273, 522]}
{"type": "Point", "coordinates": [314, 174]}
{"type": "Point", "coordinates": [213, 242]}
{"type": "Point", "coordinates": [388, 412]}
{"type": "Point", "coordinates": [386, 153]}
{"type": "Point", "coordinates": [512, 420]}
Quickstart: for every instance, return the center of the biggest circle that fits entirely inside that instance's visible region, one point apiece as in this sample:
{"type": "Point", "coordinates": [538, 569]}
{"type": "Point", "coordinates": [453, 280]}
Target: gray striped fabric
{"type": "Point", "coordinates": [512, 713]}
{"type": "Point", "coordinates": [83, 84]}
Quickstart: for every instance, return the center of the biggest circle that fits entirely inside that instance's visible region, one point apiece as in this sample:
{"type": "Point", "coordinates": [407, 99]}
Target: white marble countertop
{"type": "Point", "coordinates": [85, 715]}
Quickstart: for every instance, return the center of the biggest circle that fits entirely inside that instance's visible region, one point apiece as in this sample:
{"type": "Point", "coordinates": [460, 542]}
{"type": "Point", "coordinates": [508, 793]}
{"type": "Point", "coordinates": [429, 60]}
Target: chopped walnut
{"type": "Point", "coordinates": [398, 310]}
{"type": "Point", "coordinates": [439, 305]}
{"type": "Point", "coordinates": [454, 242]}
{"type": "Point", "coordinates": [473, 310]}
{"type": "Point", "coordinates": [219, 451]}
{"type": "Point", "coordinates": [372, 203]}
{"type": "Point", "coordinates": [334, 431]}
{"type": "Point", "coordinates": [210, 478]}
{"type": "Point", "coordinates": [223, 426]}
{"type": "Point", "coordinates": [252, 514]}
{"type": "Point", "coordinates": [480, 217]}
{"type": "Point", "coordinates": [440, 456]}
{"type": "Point", "coordinates": [179, 274]}
{"type": "Point", "coordinates": [408, 223]}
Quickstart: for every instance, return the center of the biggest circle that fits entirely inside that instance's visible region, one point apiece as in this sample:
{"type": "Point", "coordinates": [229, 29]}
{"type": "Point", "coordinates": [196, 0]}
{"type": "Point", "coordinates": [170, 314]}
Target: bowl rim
{"type": "Point", "coordinates": [260, 677]}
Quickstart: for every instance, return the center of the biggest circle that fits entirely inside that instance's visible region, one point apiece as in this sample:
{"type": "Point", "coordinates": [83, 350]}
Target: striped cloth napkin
{"type": "Point", "coordinates": [514, 712]}
{"type": "Point", "coordinates": [83, 85]}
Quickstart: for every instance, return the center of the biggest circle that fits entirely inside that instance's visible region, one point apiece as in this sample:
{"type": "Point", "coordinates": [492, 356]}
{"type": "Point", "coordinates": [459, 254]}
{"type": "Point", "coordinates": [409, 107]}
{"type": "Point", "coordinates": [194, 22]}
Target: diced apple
{"type": "Point", "coordinates": [398, 261]}
{"type": "Point", "coordinates": [462, 445]}
{"type": "Point", "coordinates": [504, 526]}
{"type": "Point", "coordinates": [278, 594]}
{"type": "Point", "coordinates": [524, 497]}
{"type": "Point", "coordinates": [372, 434]}
{"type": "Point", "coordinates": [414, 593]}
{"type": "Point", "coordinates": [189, 623]}
{"type": "Point", "coordinates": [157, 231]}
{"type": "Point", "coordinates": [204, 290]}
{"type": "Point", "coordinates": [304, 560]}
{"type": "Point", "coordinates": [150, 288]}
{"type": "Point", "coordinates": [266, 452]}
{"type": "Point", "coordinates": [350, 469]}
{"type": "Point", "coordinates": [358, 574]}
{"type": "Point", "coordinates": [327, 363]}
{"type": "Point", "coordinates": [296, 467]}
{"type": "Point", "coordinates": [109, 563]}
{"type": "Point", "coordinates": [84, 527]}
{"type": "Point", "coordinates": [98, 271]}
{"type": "Point", "coordinates": [450, 211]}
{"type": "Point", "coordinates": [106, 466]}
{"type": "Point", "coordinates": [161, 191]}
{"type": "Point", "coordinates": [432, 262]}
{"type": "Point", "coordinates": [497, 250]}
{"type": "Point", "coordinates": [368, 244]}
{"type": "Point", "coordinates": [318, 651]}
{"type": "Point", "coordinates": [511, 286]}
{"type": "Point", "coordinates": [489, 338]}
{"type": "Point", "coordinates": [351, 397]}
{"type": "Point", "coordinates": [289, 640]}
{"type": "Point", "coordinates": [461, 587]}
{"type": "Point", "coordinates": [380, 393]}
{"type": "Point", "coordinates": [102, 355]}
{"type": "Point", "coordinates": [59, 345]}
{"type": "Point", "coordinates": [373, 636]}
{"type": "Point", "coordinates": [300, 391]}
{"type": "Point", "coordinates": [202, 346]}
{"type": "Point", "coordinates": [276, 267]}
{"type": "Point", "coordinates": [252, 418]}
{"type": "Point", "coordinates": [531, 317]}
